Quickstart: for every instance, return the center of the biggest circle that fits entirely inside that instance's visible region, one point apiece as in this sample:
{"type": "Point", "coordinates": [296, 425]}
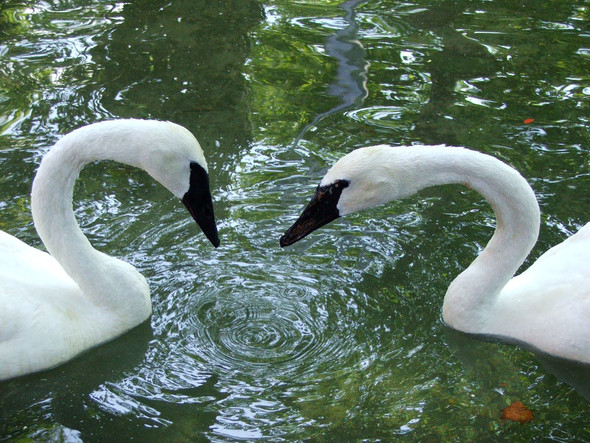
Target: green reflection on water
{"type": "Point", "coordinates": [340, 337]}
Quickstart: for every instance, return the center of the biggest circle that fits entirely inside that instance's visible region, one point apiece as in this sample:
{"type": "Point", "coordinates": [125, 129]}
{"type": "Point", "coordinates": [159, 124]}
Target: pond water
{"type": "Point", "coordinates": [339, 337]}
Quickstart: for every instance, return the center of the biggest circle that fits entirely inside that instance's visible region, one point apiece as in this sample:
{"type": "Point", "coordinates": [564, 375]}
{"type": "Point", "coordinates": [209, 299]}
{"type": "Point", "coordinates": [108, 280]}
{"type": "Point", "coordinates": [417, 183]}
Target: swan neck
{"type": "Point", "coordinates": [51, 206]}
{"type": "Point", "coordinates": [393, 173]}
{"type": "Point", "coordinates": [99, 276]}
{"type": "Point", "coordinates": [473, 294]}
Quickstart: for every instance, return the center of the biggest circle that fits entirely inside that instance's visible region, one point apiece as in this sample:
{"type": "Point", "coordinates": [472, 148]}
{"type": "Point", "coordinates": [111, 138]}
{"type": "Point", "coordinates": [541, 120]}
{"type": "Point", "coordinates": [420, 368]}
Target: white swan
{"type": "Point", "coordinates": [52, 307]}
{"type": "Point", "coordinates": [547, 307]}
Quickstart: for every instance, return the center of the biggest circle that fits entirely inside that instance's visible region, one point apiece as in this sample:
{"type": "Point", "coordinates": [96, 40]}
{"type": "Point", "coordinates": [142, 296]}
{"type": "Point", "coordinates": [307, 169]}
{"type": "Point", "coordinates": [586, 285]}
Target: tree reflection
{"type": "Point", "coordinates": [349, 86]}
{"type": "Point", "coordinates": [179, 61]}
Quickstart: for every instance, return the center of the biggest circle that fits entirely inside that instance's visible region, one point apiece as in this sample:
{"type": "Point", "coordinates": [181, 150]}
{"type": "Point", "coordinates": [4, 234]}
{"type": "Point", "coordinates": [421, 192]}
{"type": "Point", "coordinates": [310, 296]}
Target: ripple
{"type": "Point", "coordinates": [263, 332]}
{"type": "Point", "coordinates": [388, 117]}
{"type": "Point", "coordinates": [254, 332]}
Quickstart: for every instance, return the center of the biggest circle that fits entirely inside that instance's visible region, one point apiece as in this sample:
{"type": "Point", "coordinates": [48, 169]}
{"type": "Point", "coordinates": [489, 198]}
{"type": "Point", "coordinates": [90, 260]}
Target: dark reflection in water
{"type": "Point", "coordinates": [460, 59]}
{"type": "Point", "coordinates": [63, 393]}
{"type": "Point", "coordinates": [481, 355]}
{"type": "Point", "coordinates": [163, 60]}
{"type": "Point", "coordinates": [463, 58]}
{"type": "Point", "coordinates": [576, 375]}
{"type": "Point", "coordinates": [351, 77]}
{"type": "Point", "coordinates": [169, 60]}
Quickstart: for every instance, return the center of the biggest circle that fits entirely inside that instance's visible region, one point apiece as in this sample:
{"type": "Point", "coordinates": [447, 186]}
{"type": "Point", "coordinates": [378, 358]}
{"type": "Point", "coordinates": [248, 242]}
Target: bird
{"type": "Point", "coordinates": [545, 308]}
{"type": "Point", "coordinates": [56, 304]}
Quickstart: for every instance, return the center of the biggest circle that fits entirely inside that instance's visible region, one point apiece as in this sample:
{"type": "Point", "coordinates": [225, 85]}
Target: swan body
{"type": "Point", "coordinates": [55, 305]}
{"type": "Point", "coordinates": [546, 307]}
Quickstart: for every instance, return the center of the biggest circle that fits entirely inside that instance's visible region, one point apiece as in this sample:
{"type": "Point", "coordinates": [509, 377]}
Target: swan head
{"type": "Point", "coordinates": [168, 152]}
{"type": "Point", "coordinates": [359, 180]}
{"type": "Point", "coordinates": [176, 160]}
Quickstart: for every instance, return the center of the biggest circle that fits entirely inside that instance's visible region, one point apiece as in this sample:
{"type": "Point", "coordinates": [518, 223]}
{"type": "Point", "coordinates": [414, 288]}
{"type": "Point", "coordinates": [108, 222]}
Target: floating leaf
{"type": "Point", "coordinates": [517, 411]}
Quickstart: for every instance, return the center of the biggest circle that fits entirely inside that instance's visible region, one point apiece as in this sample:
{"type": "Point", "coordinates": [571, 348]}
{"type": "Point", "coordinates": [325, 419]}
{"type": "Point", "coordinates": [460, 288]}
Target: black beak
{"type": "Point", "coordinates": [321, 210]}
{"type": "Point", "coordinates": [199, 203]}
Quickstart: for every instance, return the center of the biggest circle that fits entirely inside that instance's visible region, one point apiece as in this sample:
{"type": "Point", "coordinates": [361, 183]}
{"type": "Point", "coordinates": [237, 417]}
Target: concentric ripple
{"type": "Point", "coordinates": [259, 332]}
{"type": "Point", "coordinates": [255, 333]}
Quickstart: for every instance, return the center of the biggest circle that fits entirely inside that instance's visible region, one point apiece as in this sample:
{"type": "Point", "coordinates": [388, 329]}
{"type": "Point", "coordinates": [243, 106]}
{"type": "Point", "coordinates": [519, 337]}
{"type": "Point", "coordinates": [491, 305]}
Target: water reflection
{"type": "Point", "coordinates": [167, 60]}
{"type": "Point", "coordinates": [459, 59]}
{"type": "Point", "coordinates": [498, 372]}
{"type": "Point", "coordinates": [351, 77]}
{"type": "Point", "coordinates": [63, 393]}
{"type": "Point", "coordinates": [576, 375]}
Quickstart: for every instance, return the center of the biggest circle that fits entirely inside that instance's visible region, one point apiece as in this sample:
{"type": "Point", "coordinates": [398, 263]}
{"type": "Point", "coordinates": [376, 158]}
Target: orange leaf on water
{"type": "Point", "coordinates": [517, 411]}
{"type": "Point", "coordinates": [528, 121]}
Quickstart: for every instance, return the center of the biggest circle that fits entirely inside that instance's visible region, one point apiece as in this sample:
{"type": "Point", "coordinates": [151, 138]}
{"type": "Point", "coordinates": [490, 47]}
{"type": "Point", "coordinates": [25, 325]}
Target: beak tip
{"type": "Point", "coordinates": [289, 238]}
{"type": "Point", "coordinates": [213, 237]}
{"type": "Point", "coordinates": [282, 242]}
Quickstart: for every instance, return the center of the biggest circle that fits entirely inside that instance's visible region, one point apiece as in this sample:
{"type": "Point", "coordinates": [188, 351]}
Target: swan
{"type": "Point", "coordinates": [546, 307]}
{"type": "Point", "coordinates": [55, 305]}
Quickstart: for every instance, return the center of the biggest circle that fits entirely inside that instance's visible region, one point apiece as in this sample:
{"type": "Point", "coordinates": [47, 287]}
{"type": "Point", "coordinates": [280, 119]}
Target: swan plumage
{"type": "Point", "coordinates": [546, 307]}
{"type": "Point", "coordinates": [55, 305]}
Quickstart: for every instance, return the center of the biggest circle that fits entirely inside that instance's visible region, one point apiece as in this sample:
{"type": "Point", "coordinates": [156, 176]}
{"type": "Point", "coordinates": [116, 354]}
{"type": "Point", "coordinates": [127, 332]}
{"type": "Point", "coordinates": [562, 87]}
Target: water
{"type": "Point", "coordinates": [340, 336]}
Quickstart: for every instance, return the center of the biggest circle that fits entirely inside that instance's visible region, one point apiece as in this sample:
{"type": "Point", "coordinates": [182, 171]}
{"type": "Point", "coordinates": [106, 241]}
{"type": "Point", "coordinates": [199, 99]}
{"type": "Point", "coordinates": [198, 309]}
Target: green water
{"type": "Point", "coordinates": [339, 337]}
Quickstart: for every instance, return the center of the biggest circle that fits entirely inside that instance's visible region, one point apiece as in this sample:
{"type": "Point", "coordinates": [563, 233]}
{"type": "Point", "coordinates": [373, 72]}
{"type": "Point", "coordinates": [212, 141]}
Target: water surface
{"type": "Point", "coordinates": [340, 336]}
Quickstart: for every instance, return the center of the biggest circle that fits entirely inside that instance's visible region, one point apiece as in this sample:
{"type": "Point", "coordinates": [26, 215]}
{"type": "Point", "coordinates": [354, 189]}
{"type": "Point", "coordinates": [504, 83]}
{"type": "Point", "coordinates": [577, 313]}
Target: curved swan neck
{"type": "Point", "coordinates": [379, 174]}
{"type": "Point", "coordinates": [472, 294]}
{"type": "Point", "coordinates": [97, 274]}
{"type": "Point", "coordinates": [51, 206]}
